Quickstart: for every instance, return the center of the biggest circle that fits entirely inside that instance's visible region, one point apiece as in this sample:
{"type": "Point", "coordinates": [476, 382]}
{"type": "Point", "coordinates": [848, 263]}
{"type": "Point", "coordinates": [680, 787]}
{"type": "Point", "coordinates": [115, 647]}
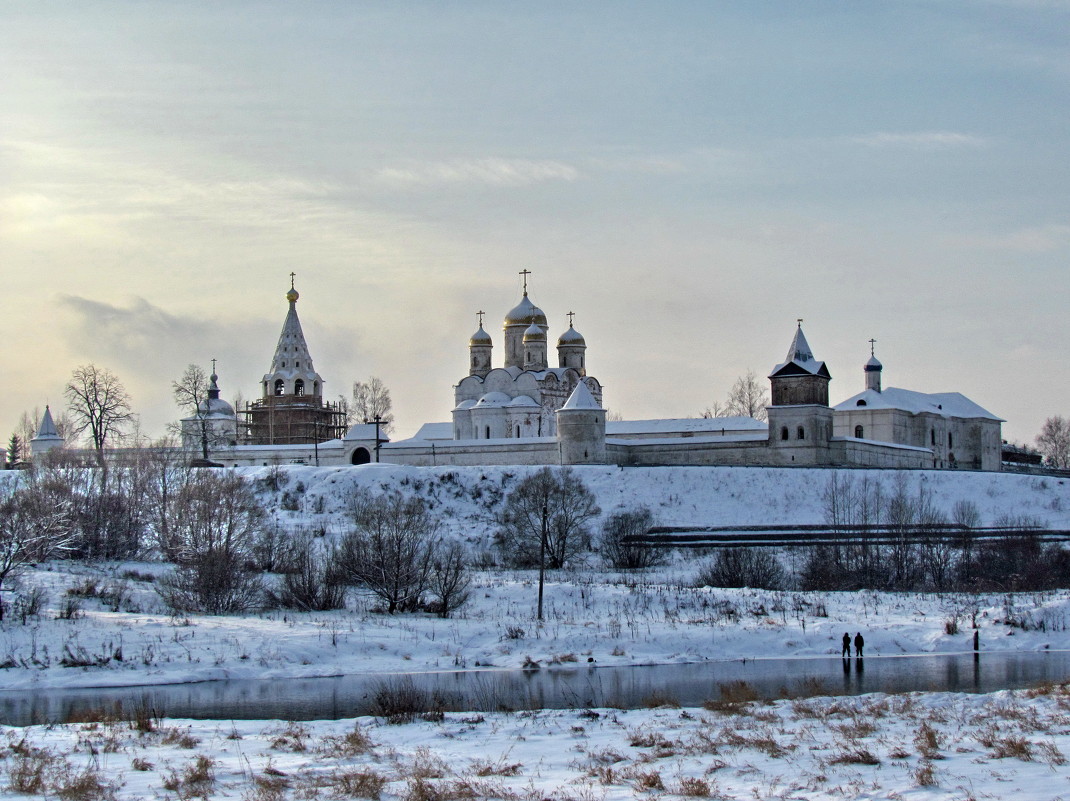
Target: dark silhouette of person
{"type": "Point", "coordinates": [859, 644]}
{"type": "Point", "coordinates": [846, 651]}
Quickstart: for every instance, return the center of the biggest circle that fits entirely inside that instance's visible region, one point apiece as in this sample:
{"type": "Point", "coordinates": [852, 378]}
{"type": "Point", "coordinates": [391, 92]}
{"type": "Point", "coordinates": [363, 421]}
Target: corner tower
{"type": "Point", "coordinates": [800, 420]}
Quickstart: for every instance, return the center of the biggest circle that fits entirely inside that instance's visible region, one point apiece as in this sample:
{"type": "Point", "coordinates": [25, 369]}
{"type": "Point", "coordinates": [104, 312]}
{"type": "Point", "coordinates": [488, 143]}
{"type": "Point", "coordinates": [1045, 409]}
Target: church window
{"type": "Point", "coordinates": [800, 433]}
{"type": "Point", "coordinates": [861, 403]}
{"type": "Point", "coordinates": [299, 388]}
{"type": "Point", "coordinates": [518, 432]}
{"type": "Point", "coordinates": [932, 436]}
{"type": "Point", "coordinates": [280, 387]}
{"type": "Point", "coordinates": [784, 432]}
{"type": "Point", "coordinates": [950, 441]}
{"type": "Point", "coordinates": [315, 387]}
{"type": "Point", "coordinates": [297, 365]}
{"type": "Point", "coordinates": [488, 432]}
{"type": "Point", "coordinates": [858, 432]}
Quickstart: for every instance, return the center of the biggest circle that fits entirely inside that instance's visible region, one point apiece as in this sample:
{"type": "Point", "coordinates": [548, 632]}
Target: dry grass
{"type": "Point", "coordinates": [293, 737]}
{"type": "Point", "coordinates": [693, 787]}
{"type": "Point", "coordinates": [357, 783]}
{"type": "Point", "coordinates": [350, 744]}
{"type": "Point", "coordinates": [924, 775]}
{"type": "Point", "coordinates": [927, 741]}
{"type": "Point", "coordinates": [855, 756]}
{"type": "Point", "coordinates": [482, 767]}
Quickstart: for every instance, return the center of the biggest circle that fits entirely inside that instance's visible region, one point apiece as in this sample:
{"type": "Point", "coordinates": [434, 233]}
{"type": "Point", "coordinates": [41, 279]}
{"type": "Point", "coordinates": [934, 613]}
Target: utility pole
{"type": "Point", "coordinates": [542, 558]}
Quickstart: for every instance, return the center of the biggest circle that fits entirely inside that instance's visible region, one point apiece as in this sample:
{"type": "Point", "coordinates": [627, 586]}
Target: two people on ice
{"type": "Point", "coordinates": [859, 642]}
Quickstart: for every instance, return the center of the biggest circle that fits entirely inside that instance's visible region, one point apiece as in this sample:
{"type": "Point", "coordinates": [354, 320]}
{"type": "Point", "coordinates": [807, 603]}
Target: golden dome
{"type": "Point", "coordinates": [292, 295]}
{"type": "Point", "coordinates": [525, 313]}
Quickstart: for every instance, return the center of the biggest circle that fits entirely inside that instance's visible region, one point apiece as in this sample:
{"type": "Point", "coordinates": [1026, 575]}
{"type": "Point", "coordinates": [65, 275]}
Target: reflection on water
{"type": "Point", "coordinates": [556, 688]}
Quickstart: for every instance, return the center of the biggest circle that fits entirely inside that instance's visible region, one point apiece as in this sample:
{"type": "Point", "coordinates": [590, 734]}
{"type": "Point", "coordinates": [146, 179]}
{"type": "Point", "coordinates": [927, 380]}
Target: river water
{"type": "Point", "coordinates": [557, 687]}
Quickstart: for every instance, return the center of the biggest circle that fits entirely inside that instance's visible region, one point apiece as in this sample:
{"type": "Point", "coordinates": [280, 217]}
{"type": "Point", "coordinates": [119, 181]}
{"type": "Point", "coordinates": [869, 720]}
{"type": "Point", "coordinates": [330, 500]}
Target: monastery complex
{"type": "Point", "coordinates": [524, 411]}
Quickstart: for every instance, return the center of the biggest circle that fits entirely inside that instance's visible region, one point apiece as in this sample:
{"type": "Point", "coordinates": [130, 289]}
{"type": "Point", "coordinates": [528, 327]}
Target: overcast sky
{"type": "Point", "coordinates": [687, 177]}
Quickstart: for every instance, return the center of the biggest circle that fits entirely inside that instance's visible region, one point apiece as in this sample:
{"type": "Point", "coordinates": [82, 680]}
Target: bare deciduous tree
{"type": "Point", "coordinates": [34, 525]}
{"type": "Point", "coordinates": [615, 545]}
{"type": "Point", "coordinates": [748, 397]}
{"type": "Point", "coordinates": [389, 551]}
{"type": "Point", "coordinates": [371, 399]}
{"type": "Point", "coordinates": [1054, 442]}
{"type": "Point", "coordinates": [216, 519]}
{"type": "Point", "coordinates": [550, 510]}
{"type": "Point", "coordinates": [191, 394]}
{"type": "Point", "coordinates": [743, 567]}
{"type": "Point", "coordinates": [99, 404]}
{"type": "Point", "coordinates": [450, 579]}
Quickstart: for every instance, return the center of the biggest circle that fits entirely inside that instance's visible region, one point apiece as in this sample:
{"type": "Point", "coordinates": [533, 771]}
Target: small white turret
{"type": "Point", "coordinates": [535, 347]}
{"type": "Point", "coordinates": [480, 351]}
{"type": "Point", "coordinates": [571, 347]}
{"type": "Point", "coordinates": [47, 437]}
{"type": "Point", "coordinates": [581, 428]}
{"type": "Point", "coordinates": [873, 370]}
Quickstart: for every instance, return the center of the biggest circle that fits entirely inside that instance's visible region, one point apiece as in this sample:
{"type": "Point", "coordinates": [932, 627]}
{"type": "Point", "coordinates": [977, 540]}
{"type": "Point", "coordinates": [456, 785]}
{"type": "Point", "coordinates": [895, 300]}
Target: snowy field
{"type": "Point", "coordinates": [916, 746]}
{"type": "Point", "coordinates": [77, 640]}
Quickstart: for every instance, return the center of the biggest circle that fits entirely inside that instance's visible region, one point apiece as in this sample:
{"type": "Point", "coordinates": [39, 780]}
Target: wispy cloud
{"type": "Point", "coordinates": [1037, 239]}
{"type": "Point", "coordinates": [920, 140]}
{"type": "Point", "coordinates": [490, 171]}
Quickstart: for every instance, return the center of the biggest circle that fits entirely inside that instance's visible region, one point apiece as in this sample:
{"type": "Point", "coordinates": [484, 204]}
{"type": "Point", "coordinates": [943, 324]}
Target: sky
{"type": "Point", "coordinates": [689, 178]}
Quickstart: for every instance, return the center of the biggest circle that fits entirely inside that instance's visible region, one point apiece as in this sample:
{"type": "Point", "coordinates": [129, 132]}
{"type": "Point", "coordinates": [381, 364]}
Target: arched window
{"type": "Point", "coordinates": [800, 433]}
{"type": "Point", "coordinates": [518, 432]}
{"type": "Point", "coordinates": [784, 432]}
{"type": "Point", "coordinates": [950, 441]}
{"type": "Point", "coordinates": [280, 387]}
{"type": "Point", "coordinates": [360, 456]}
{"type": "Point", "coordinates": [858, 432]}
{"type": "Point", "coordinates": [488, 432]}
{"type": "Point", "coordinates": [932, 436]}
{"type": "Point", "coordinates": [299, 388]}
{"type": "Point", "coordinates": [315, 387]}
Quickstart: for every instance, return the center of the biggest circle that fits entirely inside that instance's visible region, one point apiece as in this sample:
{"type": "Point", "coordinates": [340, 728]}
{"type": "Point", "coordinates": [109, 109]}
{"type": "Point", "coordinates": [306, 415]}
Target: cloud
{"type": "Point", "coordinates": [489, 171]}
{"type": "Point", "coordinates": [920, 140]}
{"type": "Point", "coordinates": [1037, 239]}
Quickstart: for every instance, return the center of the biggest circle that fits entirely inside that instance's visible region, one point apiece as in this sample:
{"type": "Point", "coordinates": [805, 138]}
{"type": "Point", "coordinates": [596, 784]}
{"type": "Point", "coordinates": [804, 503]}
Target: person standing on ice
{"type": "Point", "coordinates": [846, 651]}
{"type": "Point", "coordinates": [859, 644]}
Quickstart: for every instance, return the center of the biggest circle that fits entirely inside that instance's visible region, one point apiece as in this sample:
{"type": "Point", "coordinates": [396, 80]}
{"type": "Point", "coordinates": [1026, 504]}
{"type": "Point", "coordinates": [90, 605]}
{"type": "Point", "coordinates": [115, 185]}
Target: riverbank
{"type": "Point", "coordinates": [918, 746]}
{"type": "Point", "coordinates": [591, 617]}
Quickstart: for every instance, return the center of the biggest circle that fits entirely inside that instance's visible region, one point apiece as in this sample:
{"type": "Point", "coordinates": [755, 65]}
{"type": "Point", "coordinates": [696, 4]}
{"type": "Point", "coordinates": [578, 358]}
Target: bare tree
{"type": "Point", "coordinates": [547, 512]}
{"type": "Point", "coordinates": [450, 579]}
{"type": "Point", "coordinates": [191, 394]}
{"type": "Point", "coordinates": [1054, 442]}
{"type": "Point", "coordinates": [34, 525]}
{"type": "Point", "coordinates": [99, 404]}
{"type": "Point", "coordinates": [389, 550]}
{"type": "Point", "coordinates": [371, 399]}
{"type": "Point", "coordinates": [616, 546]}
{"type": "Point", "coordinates": [748, 397]}
{"type": "Point", "coordinates": [743, 567]}
{"type": "Point", "coordinates": [216, 519]}
{"type": "Point", "coordinates": [313, 580]}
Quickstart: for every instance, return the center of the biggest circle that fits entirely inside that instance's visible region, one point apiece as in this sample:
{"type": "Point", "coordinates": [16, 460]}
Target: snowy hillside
{"type": "Point", "coordinates": [468, 498]}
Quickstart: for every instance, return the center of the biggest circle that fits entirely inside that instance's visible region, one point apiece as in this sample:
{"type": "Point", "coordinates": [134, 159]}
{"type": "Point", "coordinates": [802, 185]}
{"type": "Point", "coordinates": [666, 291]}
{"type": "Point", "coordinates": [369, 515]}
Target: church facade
{"type": "Point", "coordinates": [526, 411]}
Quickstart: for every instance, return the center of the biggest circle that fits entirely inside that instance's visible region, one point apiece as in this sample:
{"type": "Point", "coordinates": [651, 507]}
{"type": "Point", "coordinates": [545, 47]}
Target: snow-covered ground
{"type": "Point", "coordinates": [916, 746]}
{"type": "Point", "coordinates": [612, 618]}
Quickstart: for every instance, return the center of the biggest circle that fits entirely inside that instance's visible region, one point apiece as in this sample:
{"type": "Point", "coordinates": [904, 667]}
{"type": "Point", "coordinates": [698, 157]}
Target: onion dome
{"type": "Point", "coordinates": [571, 337]}
{"type": "Point", "coordinates": [292, 295]}
{"type": "Point", "coordinates": [873, 365]}
{"type": "Point", "coordinates": [535, 333]}
{"type": "Point", "coordinates": [525, 313]}
{"type": "Point", "coordinates": [480, 337]}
